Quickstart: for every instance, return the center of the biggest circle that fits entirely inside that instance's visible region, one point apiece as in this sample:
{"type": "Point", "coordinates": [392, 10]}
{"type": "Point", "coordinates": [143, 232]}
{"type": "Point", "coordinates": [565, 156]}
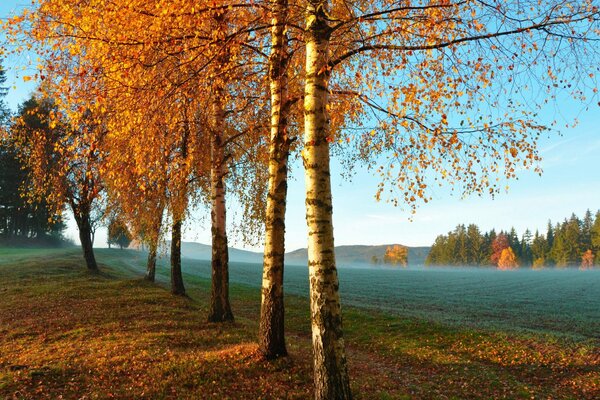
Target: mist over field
{"type": "Point", "coordinates": [565, 302]}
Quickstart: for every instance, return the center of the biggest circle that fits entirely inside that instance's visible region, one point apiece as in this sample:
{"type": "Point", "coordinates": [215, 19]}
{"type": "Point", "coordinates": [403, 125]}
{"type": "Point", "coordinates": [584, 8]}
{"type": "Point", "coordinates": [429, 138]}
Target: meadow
{"type": "Point", "coordinates": [555, 301]}
{"type": "Point", "coordinates": [65, 332]}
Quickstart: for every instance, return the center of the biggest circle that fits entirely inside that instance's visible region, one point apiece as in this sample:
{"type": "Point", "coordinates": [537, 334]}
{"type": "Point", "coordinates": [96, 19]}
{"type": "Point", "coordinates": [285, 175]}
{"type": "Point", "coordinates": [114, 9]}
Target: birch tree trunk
{"type": "Point", "coordinates": [153, 245]}
{"type": "Point", "coordinates": [151, 264]}
{"type": "Point", "coordinates": [220, 309]}
{"type": "Point", "coordinates": [330, 368]}
{"type": "Point", "coordinates": [271, 334]}
{"type": "Point", "coordinates": [177, 287]}
{"type": "Point", "coordinates": [81, 212]}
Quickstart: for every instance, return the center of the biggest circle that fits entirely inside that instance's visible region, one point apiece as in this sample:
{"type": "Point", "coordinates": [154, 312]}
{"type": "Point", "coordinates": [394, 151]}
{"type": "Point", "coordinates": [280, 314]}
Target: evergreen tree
{"type": "Point", "coordinates": [489, 239]}
{"type": "Point", "coordinates": [475, 245]}
{"type": "Point", "coordinates": [549, 243]}
{"type": "Point", "coordinates": [461, 255]}
{"type": "Point", "coordinates": [586, 230]}
{"type": "Point", "coordinates": [595, 236]}
{"type": "Point", "coordinates": [573, 241]}
{"type": "Point", "coordinates": [436, 254]}
{"type": "Point", "coordinates": [451, 249]}
{"type": "Point", "coordinates": [526, 242]}
{"type": "Point", "coordinates": [558, 250]}
{"type": "Point", "coordinates": [513, 241]}
{"type": "Point", "coordinates": [539, 249]}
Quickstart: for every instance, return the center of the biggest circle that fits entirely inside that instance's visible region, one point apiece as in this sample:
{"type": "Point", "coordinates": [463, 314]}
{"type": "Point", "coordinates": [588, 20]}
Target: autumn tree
{"type": "Point", "coordinates": [587, 260]}
{"type": "Point", "coordinates": [445, 83]}
{"type": "Point", "coordinates": [118, 233]}
{"type": "Point", "coordinates": [21, 220]}
{"type": "Point", "coordinates": [434, 64]}
{"type": "Point", "coordinates": [396, 255]}
{"type": "Point", "coordinates": [64, 158]}
{"type": "Point", "coordinates": [155, 71]}
{"type": "Point", "coordinates": [4, 110]}
{"type": "Point", "coordinates": [271, 335]}
{"type": "Point", "coordinates": [508, 259]}
{"type": "Point", "coordinates": [499, 244]}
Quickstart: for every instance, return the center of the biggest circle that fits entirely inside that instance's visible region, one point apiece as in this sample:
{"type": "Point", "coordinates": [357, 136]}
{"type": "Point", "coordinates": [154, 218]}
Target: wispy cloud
{"type": "Point", "coordinates": [559, 144]}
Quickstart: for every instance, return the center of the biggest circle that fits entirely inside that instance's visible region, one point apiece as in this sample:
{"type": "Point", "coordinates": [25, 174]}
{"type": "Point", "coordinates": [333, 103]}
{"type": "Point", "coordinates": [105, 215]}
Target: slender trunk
{"type": "Point", "coordinates": [82, 218]}
{"type": "Point", "coordinates": [153, 247]}
{"type": "Point", "coordinates": [177, 287]}
{"type": "Point", "coordinates": [271, 334]}
{"type": "Point", "coordinates": [151, 264]}
{"type": "Point", "coordinates": [220, 309]}
{"type": "Point", "coordinates": [330, 368]}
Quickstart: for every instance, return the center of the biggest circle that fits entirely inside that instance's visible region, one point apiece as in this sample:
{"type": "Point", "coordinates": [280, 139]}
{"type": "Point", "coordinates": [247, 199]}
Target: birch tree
{"type": "Point", "coordinates": [419, 67]}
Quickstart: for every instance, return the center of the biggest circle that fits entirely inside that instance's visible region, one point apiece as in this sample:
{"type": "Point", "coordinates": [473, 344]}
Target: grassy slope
{"type": "Point", "coordinates": [65, 332]}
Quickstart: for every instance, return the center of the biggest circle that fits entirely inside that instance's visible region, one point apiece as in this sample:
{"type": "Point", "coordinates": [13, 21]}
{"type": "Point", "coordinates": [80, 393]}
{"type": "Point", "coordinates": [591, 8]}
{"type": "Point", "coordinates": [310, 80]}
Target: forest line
{"type": "Point", "coordinates": [574, 242]}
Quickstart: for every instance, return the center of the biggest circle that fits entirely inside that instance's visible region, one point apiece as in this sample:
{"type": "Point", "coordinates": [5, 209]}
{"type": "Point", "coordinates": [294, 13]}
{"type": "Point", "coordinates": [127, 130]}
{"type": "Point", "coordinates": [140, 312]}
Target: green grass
{"type": "Point", "coordinates": [553, 302]}
{"type": "Point", "coordinates": [64, 332]}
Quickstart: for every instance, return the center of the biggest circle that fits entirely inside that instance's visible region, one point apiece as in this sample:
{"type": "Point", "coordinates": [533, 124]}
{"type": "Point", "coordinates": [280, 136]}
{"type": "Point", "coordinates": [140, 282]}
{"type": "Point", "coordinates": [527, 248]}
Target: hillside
{"type": "Point", "coordinates": [361, 254]}
{"type": "Point", "coordinates": [345, 255]}
{"type": "Point", "coordinates": [199, 251]}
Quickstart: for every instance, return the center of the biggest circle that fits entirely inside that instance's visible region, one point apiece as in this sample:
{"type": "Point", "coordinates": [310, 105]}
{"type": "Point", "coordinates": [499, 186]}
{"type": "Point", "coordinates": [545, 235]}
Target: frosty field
{"type": "Point", "coordinates": [562, 302]}
{"type": "Point", "coordinates": [66, 333]}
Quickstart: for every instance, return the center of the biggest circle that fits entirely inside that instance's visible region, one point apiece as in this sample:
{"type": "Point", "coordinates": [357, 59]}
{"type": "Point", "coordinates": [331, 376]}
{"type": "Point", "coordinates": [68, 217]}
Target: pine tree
{"type": "Point", "coordinates": [586, 230]}
{"type": "Point", "coordinates": [573, 240]}
{"type": "Point", "coordinates": [558, 250]}
{"type": "Point", "coordinates": [436, 254]}
{"type": "Point", "coordinates": [515, 244]}
{"type": "Point", "coordinates": [550, 243]}
{"type": "Point", "coordinates": [539, 250]}
{"type": "Point", "coordinates": [526, 253]}
{"type": "Point", "coordinates": [474, 245]}
{"type": "Point", "coordinates": [462, 251]}
{"type": "Point", "coordinates": [595, 233]}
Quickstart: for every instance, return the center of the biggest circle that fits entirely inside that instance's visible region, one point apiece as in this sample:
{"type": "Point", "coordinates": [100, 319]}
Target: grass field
{"type": "Point", "coordinates": [558, 302]}
{"type": "Point", "coordinates": [66, 333]}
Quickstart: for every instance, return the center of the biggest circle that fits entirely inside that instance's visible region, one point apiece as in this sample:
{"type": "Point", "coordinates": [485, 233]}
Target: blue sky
{"type": "Point", "coordinates": [570, 183]}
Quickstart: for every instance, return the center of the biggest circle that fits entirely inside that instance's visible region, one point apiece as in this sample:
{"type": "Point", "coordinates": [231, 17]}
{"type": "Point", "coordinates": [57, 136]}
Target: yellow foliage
{"type": "Point", "coordinates": [507, 260]}
{"type": "Point", "coordinates": [396, 255]}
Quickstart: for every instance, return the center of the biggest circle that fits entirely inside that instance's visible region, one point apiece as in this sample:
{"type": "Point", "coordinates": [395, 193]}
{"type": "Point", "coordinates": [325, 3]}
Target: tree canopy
{"type": "Point", "coordinates": [423, 92]}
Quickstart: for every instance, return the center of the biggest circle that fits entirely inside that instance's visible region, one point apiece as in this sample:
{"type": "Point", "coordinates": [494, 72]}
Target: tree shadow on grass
{"type": "Point", "coordinates": [67, 334]}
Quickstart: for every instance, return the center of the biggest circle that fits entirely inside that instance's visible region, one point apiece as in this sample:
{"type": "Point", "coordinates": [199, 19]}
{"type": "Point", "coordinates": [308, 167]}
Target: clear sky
{"type": "Point", "coordinates": [570, 183]}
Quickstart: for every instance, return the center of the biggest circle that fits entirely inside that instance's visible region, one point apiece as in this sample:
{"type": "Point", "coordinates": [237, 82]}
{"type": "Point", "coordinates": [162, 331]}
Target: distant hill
{"type": "Point", "coordinates": [361, 254]}
{"type": "Point", "coordinates": [201, 251]}
{"type": "Point", "coordinates": [345, 255]}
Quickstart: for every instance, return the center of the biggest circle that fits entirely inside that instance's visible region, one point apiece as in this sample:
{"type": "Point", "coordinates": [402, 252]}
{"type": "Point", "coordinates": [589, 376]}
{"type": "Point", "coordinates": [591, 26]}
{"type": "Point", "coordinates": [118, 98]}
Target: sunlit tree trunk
{"type": "Point", "coordinates": [177, 287]}
{"type": "Point", "coordinates": [151, 264]}
{"type": "Point", "coordinates": [220, 309]}
{"type": "Point", "coordinates": [81, 212]}
{"type": "Point", "coordinates": [153, 247]}
{"type": "Point", "coordinates": [330, 369]}
{"type": "Point", "coordinates": [271, 335]}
